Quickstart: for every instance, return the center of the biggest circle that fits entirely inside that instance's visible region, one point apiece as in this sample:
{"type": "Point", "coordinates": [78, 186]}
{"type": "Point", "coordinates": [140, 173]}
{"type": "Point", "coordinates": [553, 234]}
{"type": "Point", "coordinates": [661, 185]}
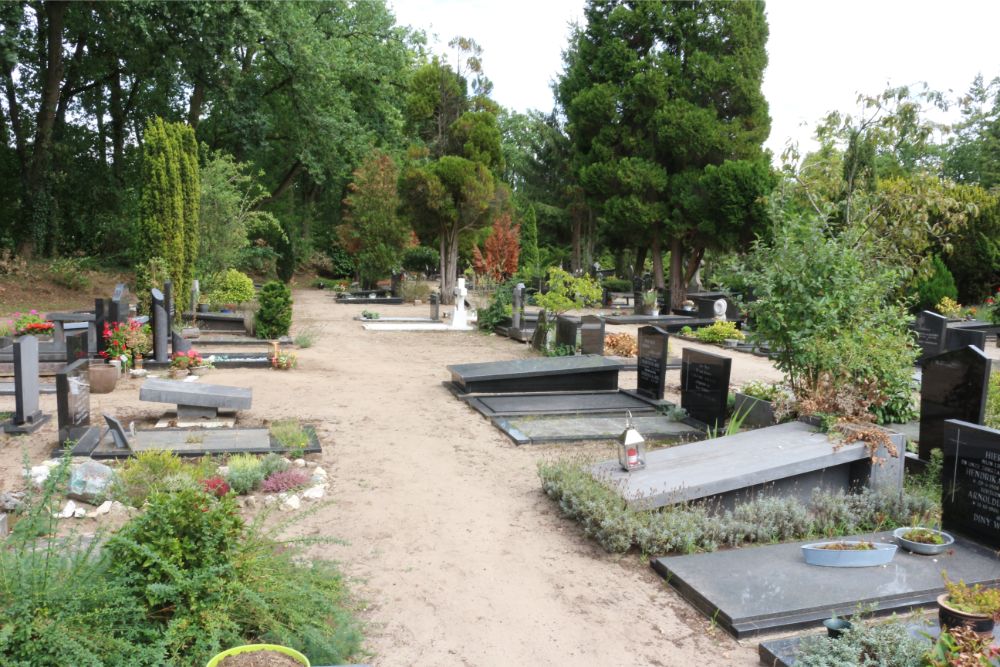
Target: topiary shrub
{"type": "Point", "coordinates": [936, 286]}
{"type": "Point", "coordinates": [274, 317]}
{"type": "Point", "coordinates": [230, 287]}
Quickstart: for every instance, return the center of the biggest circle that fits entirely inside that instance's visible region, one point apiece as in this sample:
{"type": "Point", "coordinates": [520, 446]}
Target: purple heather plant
{"type": "Point", "coordinates": [285, 480]}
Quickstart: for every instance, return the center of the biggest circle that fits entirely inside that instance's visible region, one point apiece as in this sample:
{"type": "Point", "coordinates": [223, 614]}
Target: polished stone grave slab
{"type": "Point", "coordinates": [379, 300]}
{"type": "Point", "coordinates": [7, 388]}
{"type": "Point", "coordinates": [770, 588]}
{"type": "Point", "coordinates": [194, 399]}
{"type": "Point", "coordinates": [931, 329]}
{"type": "Point", "coordinates": [202, 442]}
{"type": "Point", "coordinates": [516, 405]}
{"type": "Point", "coordinates": [791, 458]}
{"type": "Point", "coordinates": [530, 430]}
{"type": "Point", "coordinates": [672, 323]}
{"type": "Point", "coordinates": [379, 325]}
{"type": "Point", "coordinates": [577, 373]}
{"type": "Point", "coordinates": [953, 385]}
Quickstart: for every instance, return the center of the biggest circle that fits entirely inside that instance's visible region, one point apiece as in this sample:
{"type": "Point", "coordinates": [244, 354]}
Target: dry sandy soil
{"type": "Point", "coordinates": [455, 555]}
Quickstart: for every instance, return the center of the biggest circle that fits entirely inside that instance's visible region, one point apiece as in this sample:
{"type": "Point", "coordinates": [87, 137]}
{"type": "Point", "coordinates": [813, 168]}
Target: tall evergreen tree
{"type": "Point", "coordinates": [655, 93]}
{"type": "Point", "coordinates": [530, 261]}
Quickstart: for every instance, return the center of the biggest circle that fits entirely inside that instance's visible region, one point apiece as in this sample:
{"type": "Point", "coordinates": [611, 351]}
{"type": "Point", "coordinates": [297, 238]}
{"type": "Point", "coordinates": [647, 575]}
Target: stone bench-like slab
{"type": "Point", "coordinates": [787, 459]}
{"type": "Point", "coordinates": [195, 400]}
{"type": "Point", "coordinates": [579, 373]}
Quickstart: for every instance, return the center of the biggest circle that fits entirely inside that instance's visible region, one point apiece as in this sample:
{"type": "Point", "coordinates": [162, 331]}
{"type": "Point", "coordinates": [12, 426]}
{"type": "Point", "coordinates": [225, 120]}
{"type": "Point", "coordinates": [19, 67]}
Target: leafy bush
{"type": "Point", "coordinates": [70, 273]}
{"type": "Point", "coordinates": [273, 463]}
{"type": "Point", "coordinates": [949, 308]}
{"type": "Point", "coordinates": [245, 473]}
{"type": "Point", "coordinates": [153, 273]}
{"type": "Point", "coordinates": [230, 287]}
{"type": "Point", "coordinates": [567, 292]}
{"type": "Point", "coordinates": [686, 331]}
{"type": "Point", "coordinates": [616, 285]}
{"type": "Point", "coordinates": [605, 517]}
{"type": "Point", "coordinates": [937, 285]}
{"type": "Point", "coordinates": [864, 644]}
{"type": "Point", "coordinates": [290, 434]}
{"type": "Point", "coordinates": [258, 259]}
{"type": "Point", "coordinates": [765, 391]}
{"type": "Point", "coordinates": [421, 259]}
{"type": "Point", "coordinates": [500, 308]}
{"type": "Point", "coordinates": [157, 470]}
{"type": "Point", "coordinates": [341, 263]}
{"type": "Point", "coordinates": [285, 480]}
{"type": "Point", "coordinates": [274, 317]}
{"type": "Point", "coordinates": [719, 332]}
{"type": "Point", "coordinates": [412, 290]}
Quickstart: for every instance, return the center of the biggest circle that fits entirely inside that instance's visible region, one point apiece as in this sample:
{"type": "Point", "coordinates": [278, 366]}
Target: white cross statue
{"type": "Point", "coordinates": [458, 316]}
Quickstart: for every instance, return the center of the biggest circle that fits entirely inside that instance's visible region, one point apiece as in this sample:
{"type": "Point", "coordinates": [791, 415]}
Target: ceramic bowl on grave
{"type": "Point", "coordinates": [848, 553]}
{"type": "Point", "coordinates": [923, 548]}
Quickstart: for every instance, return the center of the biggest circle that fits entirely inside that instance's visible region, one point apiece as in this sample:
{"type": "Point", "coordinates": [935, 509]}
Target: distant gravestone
{"type": "Point", "coordinates": [100, 319]}
{"type": "Point", "coordinates": [970, 503]}
{"type": "Point", "coordinates": [435, 301]}
{"type": "Point", "coordinates": [77, 346]}
{"type": "Point", "coordinates": [395, 284]}
{"type": "Point", "coordinates": [931, 330]}
{"type": "Point", "coordinates": [179, 343]}
{"type": "Point", "coordinates": [27, 415]}
{"type": "Point", "coordinates": [538, 339]}
{"type": "Point", "coordinates": [161, 327]}
{"type": "Point", "coordinates": [73, 406]}
{"type": "Point", "coordinates": [957, 338]}
{"type": "Point", "coordinates": [566, 331]}
{"type": "Point", "coordinates": [953, 385]}
{"type": "Point", "coordinates": [705, 386]}
{"type": "Point", "coordinates": [118, 434]}
{"type": "Point", "coordinates": [517, 306]}
{"type": "Point", "coordinates": [652, 362]}
{"type": "Point", "coordinates": [591, 334]}
{"type": "Point", "coordinates": [118, 306]}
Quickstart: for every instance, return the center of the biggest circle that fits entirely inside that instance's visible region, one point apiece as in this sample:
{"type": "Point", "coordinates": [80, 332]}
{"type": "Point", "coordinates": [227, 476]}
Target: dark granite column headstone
{"type": "Point", "coordinates": [435, 300]}
{"type": "Point", "coordinates": [517, 307]}
{"type": "Point", "coordinates": [931, 331]}
{"type": "Point", "coordinates": [592, 334]}
{"type": "Point", "coordinates": [161, 327]}
{"type": "Point", "coordinates": [118, 306]}
{"type": "Point", "coordinates": [539, 340]}
{"type": "Point", "coordinates": [970, 502]}
{"type": "Point", "coordinates": [566, 331]}
{"type": "Point", "coordinates": [179, 343]}
{"type": "Point", "coordinates": [652, 362]}
{"type": "Point", "coordinates": [705, 386]}
{"type": "Point", "coordinates": [100, 319]}
{"type": "Point", "coordinates": [73, 407]}
{"type": "Point", "coordinates": [953, 385]}
{"type": "Point", "coordinates": [27, 415]}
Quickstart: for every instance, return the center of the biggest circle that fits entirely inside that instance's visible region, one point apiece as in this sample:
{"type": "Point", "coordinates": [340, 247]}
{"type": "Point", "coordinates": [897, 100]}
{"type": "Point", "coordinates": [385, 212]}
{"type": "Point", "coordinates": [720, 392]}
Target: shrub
{"type": "Point", "coordinates": [500, 308]}
{"type": "Point", "coordinates": [993, 401]}
{"type": "Point", "coordinates": [949, 308]}
{"type": "Point", "coordinates": [412, 290]}
{"type": "Point", "coordinates": [274, 317]}
{"type": "Point", "coordinates": [273, 463]}
{"type": "Point", "coordinates": [70, 273]}
{"type": "Point", "coordinates": [245, 473]}
{"type": "Point", "coordinates": [866, 645]}
{"type": "Point", "coordinates": [306, 337]}
{"type": "Point", "coordinates": [935, 286]}
{"type": "Point", "coordinates": [616, 285]}
{"type": "Point", "coordinates": [258, 259]}
{"type": "Point", "coordinates": [567, 292]}
{"type": "Point", "coordinates": [765, 391]}
{"type": "Point", "coordinates": [341, 263]}
{"type": "Point", "coordinates": [215, 486]}
{"type": "Point", "coordinates": [153, 273]}
{"type": "Point", "coordinates": [230, 287]}
{"type": "Point", "coordinates": [421, 259]}
{"type": "Point", "coordinates": [145, 474]}
{"type": "Point", "coordinates": [719, 332]}
{"type": "Point", "coordinates": [285, 480]}
{"type": "Point", "coordinates": [290, 434]}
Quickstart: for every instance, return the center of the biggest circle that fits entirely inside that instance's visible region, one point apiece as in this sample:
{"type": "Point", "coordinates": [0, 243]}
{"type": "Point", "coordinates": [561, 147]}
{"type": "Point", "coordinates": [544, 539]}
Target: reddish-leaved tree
{"type": "Point", "coordinates": [503, 247]}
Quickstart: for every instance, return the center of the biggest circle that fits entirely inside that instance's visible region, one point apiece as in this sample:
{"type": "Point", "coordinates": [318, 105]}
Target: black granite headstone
{"type": "Point", "coordinates": [100, 320]}
{"type": "Point", "coordinates": [77, 346]}
{"type": "Point", "coordinates": [957, 338]}
{"type": "Point", "coordinates": [953, 386]}
{"type": "Point", "coordinates": [179, 343]}
{"type": "Point", "coordinates": [566, 330]}
{"type": "Point", "coordinates": [970, 504]}
{"type": "Point", "coordinates": [118, 434]}
{"type": "Point", "coordinates": [161, 327]}
{"type": "Point", "coordinates": [73, 407]}
{"type": "Point", "coordinates": [652, 362]}
{"type": "Point", "coordinates": [539, 339]}
{"type": "Point", "coordinates": [435, 301]}
{"type": "Point", "coordinates": [931, 330]}
{"type": "Point", "coordinates": [705, 386]}
{"type": "Point", "coordinates": [591, 334]}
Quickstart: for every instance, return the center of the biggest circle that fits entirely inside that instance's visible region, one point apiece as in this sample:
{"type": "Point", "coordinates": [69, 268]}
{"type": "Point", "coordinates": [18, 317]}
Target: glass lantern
{"type": "Point", "coordinates": [631, 451]}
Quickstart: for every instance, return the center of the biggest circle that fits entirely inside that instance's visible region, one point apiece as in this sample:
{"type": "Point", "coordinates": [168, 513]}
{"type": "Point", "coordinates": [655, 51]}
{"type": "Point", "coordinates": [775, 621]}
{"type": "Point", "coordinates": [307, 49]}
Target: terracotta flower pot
{"type": "Point", "coordinates": [103, 378]}
{"type": "Point", "coordinates": [981, 624]}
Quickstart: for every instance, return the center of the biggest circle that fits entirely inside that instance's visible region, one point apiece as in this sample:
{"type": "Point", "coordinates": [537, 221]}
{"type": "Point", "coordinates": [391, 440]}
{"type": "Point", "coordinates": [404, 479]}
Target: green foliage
{"type": "Point", "coordinates": [154, 471]}
{"type": "Point", "coordinates": [686, 331]}
{"type": "Point", "coordinates": [864, 644]}
{"type": "Point", "coordinates": [530, 259]}
{"type": "Point", "coordinates": [993, 402]}
{"type": "Point", "coordinates": [975, 599]}
{"type": "Point", "coordinates": [935, 286]}
{"type": "Point", "coordinates": [291, 436]}
{"type": "Point", "coordinates": [605, 517]}
{"type": "Point", "coordinates": [306, 337]}
{"type": "Point", "coordinates": [421, 259]}
{"type": "Point", "coordinates": [764, 391]}
{"type": "Point", "coordinates": [567, 292]}
{"type": "Point", "coordinates": [616, 284]}
{"type": "Point", "coordinates": [231, 287]}
{"type": "Point", "coordinates": [342, 265]}
{"type": "Point", "coordinates": [719, 332]}
{"type": "Point", "coordinates": [153, 273]}
{"type": "Point", "coordinates": [245, 474]}
{"type": "Point", "coordinates": [500, 308]}
{"type": "Point", "coordinates": [274, 317]}
{"type": "Point", "coordinates": [414, 290]}
{"type": "Point", "coordinates": [561, 351]}
{"type": "Point", "coordinates": [273, 463]}
{"type": "Point", "coordinates": [369, 315]}
{"type": "Point", "coordinates": [974, 260]}
{"type": "Point", "coordinates": [70, 272]}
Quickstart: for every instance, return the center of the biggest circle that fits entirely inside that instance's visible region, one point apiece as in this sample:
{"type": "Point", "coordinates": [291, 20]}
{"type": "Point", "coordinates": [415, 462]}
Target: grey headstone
{"type": "Point", "coordinates": [953, 385]}
{"type": "Point", "coordinates": [195, 294]}
{"type": "Point", "coordinates": [27, 415]}
{"type": "Point", "coordinates": [118, 434]}
{"type": "Point", "coordinates": [539, 340]}
{"type": "Point", "coordinates": [931, 330]}
{"type": "Point", "coordinates": [577, 373]}
{"type": "Point", "coordinates": [196, 394]}
{"type": "Point", "coordinates": [161, 327]}
{"type": "Point", "coordinates": [435, 301]}
{"type": "Point", "coordinates": [705, 386]}
{"type": "Point", "coordinates": [592, 334]}
{"type": "Point", "coordinates": [971, 498]}
{"type": "Point", "coordinates": [652, 362]}
{"type": "Point", "coordinates": [517, 306]}
{"type": "Point", "coordinates": [566, 331]}
{"type": "Point", "coordinates": [179, 343]}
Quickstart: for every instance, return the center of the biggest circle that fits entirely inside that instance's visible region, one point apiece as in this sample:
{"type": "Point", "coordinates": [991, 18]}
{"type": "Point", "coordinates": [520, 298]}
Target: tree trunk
{"type": "Point", "coordinates": [640, 261]}
{"type": "Point", "coordinates": [678, 289]}
{"type": "Point", "coordinates": [442, 263]}
{"type": "Point", "coordinates": [657, 260]}
{"type": "Point", "coordinates": [449, 262]}
{"type": "Point", "coordinates": [197, 101]}
{"type": "Point", "coordinates": [55, 13]}
{"type": "Point", "coordinates": [286, 182]}
{"type": "Point", "coordinates": [117, 126]}
{"type": "Point", "coordinates": [577, 233]}
{"type": "Point", "coordinates": [693, 264]}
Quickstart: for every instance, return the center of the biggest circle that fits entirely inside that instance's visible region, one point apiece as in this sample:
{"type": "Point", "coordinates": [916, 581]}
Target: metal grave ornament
{"type": "Point", "coordinates": [631, 450]}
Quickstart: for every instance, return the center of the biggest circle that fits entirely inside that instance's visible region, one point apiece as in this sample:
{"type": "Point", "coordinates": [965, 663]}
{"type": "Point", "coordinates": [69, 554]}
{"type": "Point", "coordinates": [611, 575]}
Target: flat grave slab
{"type": "Point", "coordinates": [791, 456]}
{"type": "Point", "coordinates": [201, 442]}
{"type": "Point", "coordinates": [770, 588]}
{"type": "Point", "coordinates": [7, 388]}
{"type": "Point", "coordinates": [385, 301]}
{"type": "Point", "coordinates": [516, 405]}
{"type": "Point", "coordinates": [425, 320]}
{"type": "Point", "coordinates": [531, 430]}
{"type": "Point", "coordinates": [170, 420]}
{"type": "Point", "coordinates": [413, 326]}
{"type": "Point", "coordinates": [671, 323]}
{"type": "Point", "coordinates": [577, 373]}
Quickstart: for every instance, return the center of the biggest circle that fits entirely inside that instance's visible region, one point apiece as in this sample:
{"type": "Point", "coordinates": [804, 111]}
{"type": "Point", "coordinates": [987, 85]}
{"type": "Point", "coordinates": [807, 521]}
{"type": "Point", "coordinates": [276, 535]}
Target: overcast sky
{"type": "Point", "coordinates": [821, 54]}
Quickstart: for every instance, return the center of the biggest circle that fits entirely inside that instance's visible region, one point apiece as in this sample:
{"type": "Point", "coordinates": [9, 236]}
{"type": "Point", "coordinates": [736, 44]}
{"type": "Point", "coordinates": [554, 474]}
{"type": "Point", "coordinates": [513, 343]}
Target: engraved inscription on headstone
{"type": "Point", "coordinates": [930, 328]}
{"type": "Point", "coordinates": [652, 362]}
{"type": "Point", "coordinates": [957, 337]}
{"type": "Point", "coordinates": [953, 385]}
{"type": "Point", "coordinates": [970, 503]}
{"type": "Point", "coordinates": [705, 386]}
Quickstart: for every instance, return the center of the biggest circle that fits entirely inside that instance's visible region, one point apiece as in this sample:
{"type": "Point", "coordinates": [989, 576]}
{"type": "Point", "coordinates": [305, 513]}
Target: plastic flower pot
{"type": "Point", "coordinates": [818, 554]}
{"type": "Point", "coordinates": [252, 648]}
{"type": "Point", "coordinates": [981, 624]}
{"type": "Point", "coordinates": [922, 547]}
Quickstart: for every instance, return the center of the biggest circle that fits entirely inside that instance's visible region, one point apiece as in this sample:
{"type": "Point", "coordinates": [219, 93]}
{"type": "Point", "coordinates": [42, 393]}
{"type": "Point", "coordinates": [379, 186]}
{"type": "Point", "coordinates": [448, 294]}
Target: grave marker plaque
{"type": "Point", "coordinates": [705, 386]}
{"type": "Point", "coordinates": [953, 386]}
{"type": "Point", "coordinates": [592, 335]}
{"type": "Point", "coordinates": [970, 504]}
{"type": "Point", "coordinates": [566, 329]}
{"type": "Point", "coordinates": [27, 415]}
{"type": "Point", "coordinates": [652, 362]}
{"type": "Point", "coordinates": [931, 329]}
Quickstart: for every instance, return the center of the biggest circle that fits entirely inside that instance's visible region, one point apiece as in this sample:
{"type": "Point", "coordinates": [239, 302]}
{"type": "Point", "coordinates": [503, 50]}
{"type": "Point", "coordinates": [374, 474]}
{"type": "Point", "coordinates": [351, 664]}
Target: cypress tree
{"type": "Point", "coordinates": [529, 243]}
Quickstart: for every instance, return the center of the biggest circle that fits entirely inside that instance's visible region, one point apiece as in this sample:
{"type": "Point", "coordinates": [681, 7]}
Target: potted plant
{"type": "Point", "coordinates": [32, 324]}
{"type": "Point", "coordinates": [181, 362]}
{"type": "Point", "coordinates": [975, 607]}
{"type": "Point", "coordinates": [199, 365]}
{"type": "Point", "coordinates": [924, 541]}
{"type": "Point", "coordinates": [283, 361]}
{"type": "Point", "coordinates": [650, 302]}
{"type": "Point", "coordinates": [848, 553]}
{"type": "Point", "coordinates": [258, 652]}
